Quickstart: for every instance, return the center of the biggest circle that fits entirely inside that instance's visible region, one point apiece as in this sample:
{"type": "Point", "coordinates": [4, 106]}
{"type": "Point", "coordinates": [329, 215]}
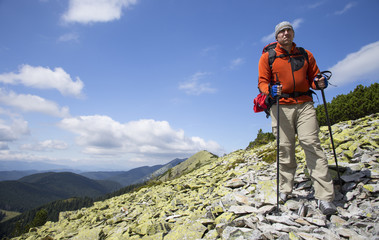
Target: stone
{"type": "Point", "coordinates": [242, 209]}
{"type": "Point", "coordinates": [338, 221]}
{"type": "Point", "coordinates": [234, 197]}
{"type": "Point", "coordinates": [266, 209]}
{"type": "Point", "coordinates": [235, 183]}
{"type": "Point", "coordinates": [355, 177]}
{"type": "Point", "coordinates": [241, 233]}
{"type": "Point", "coordinates": [243, 199]}
{"type": "Point", "coordinates": [187, 231]}
{"type": "Point", "coordinates": [315, 221]}
{"type": "Point", "coordinates": [88, 234]}
{"type": "Point", "coordinates": [287, 220]}
{"type": "Point", "coordinates": [225, 218]}
{"type": "Point", "coordinates": [308, 236]}
{"type": "Point", "coordinates": [372, 187]}
{"type": "Point", "coordinates": [348, 233]}
{"type": "Point", "coordinates": [266, 192]}
{"type": "Point", "coordinates": [283, 227]}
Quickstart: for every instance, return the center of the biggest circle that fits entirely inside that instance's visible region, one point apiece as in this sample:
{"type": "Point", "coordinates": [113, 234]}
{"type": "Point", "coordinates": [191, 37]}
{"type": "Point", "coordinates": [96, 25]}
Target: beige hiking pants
{"type": "Point", "coordinates": [301, 119]}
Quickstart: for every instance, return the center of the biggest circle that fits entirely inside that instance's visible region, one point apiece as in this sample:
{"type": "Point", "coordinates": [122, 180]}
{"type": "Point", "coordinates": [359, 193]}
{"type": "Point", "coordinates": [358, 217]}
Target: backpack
{"type": "Point", "coordinates": [263, 102]}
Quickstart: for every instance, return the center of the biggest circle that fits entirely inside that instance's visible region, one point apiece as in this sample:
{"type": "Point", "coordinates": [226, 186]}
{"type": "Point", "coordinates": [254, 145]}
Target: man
{"type": "Point", "coordinates": [290, 77]}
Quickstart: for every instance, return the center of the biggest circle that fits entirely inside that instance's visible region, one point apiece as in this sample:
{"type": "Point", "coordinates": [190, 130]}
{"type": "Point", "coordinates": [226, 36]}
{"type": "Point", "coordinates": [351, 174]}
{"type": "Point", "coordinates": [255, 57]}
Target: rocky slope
{"type": "Point", "coordinates": [196, 161]}
{"type": "Point", "coordinates": [234, 197]}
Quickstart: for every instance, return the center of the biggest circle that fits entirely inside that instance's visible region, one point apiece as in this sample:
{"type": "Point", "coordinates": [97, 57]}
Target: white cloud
{"type": "Point", "coordinates": [268, 38]}
{"type": "Point", "coordinates": [236, 62]}
{"type": "Point", "coordinates": [12, 129]}
{"type": "Point", "coordinates": [315, 5]}
{"type": "Point", "coordinates": [89, 11]}
{"type": "Point", "coordinates": [297, 22]}
{"type": "Point", "coordinates": [271, 37]}
{"type": "Point", "coordinates": [44, 78]}
{"type": "Point", "coordinates": [32, 103]}
{"type": "Point", "coordinates": [211, 49]}
{"type": "Point", "coordinates": [102, 135]}
{"type": "Point", "coordinates": [4, 146]}
{"type": "Point", "coordinates": [45, 145]}
{"type": "Point", "coordinates": [69, 37]}
{"type": "Point", "coordinates": [195, 87]}
{"type": "Point", "coordinates": [360, 65]}
{"type": "Point", "coordinates": [345, 9]}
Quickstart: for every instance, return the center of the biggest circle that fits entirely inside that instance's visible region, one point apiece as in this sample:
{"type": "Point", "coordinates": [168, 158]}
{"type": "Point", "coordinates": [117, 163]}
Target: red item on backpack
{"type": "Point", "coordinates": [260, 103]}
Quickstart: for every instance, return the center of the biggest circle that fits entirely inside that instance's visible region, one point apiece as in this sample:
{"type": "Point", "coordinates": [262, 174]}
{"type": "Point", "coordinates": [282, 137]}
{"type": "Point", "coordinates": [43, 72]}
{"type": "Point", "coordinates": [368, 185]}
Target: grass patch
{"type": "Point", "coordinates": [235, 163]}
{"type": "Point", "coordinates": [9, 215]}
{"type": "Point", "coordinates": [268, 155]}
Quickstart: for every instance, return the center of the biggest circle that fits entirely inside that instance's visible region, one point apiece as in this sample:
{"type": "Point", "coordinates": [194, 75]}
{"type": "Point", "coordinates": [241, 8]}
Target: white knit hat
{"type": "Point", "coordinates": [281, 26]}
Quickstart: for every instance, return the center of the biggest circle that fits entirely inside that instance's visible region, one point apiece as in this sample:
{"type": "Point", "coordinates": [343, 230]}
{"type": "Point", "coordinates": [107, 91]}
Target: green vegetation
{"type": "Point", "coordinates": [359, 103]}
{"type": "Point", "coordinates": [2, 215]}
{"type": "Point", "coordinates": [195, 162]}
{"type": "Point", "coordinates": [37, 217]}
{"type": "Point", "coordinates": [6, 215]}
{"type": "Point", "coordinates": [38, 189]}
{"type": "Point", "coordinates": [235, 163]}
{"type": "Point", "coordinates": [40, 218]}
{"type": "Point", "coordinates": [261, 139]}
{"type": "Point", "coordinates": [121, 191]}
{"type": "Point", "coordinates": [50, 212]}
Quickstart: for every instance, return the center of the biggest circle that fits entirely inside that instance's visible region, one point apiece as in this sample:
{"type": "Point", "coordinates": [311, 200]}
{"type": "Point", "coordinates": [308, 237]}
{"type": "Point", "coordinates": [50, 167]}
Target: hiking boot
{"type": "Point", "coordinates": [283, 198]}
{"type": "Point", "coordinates": [327, 208]}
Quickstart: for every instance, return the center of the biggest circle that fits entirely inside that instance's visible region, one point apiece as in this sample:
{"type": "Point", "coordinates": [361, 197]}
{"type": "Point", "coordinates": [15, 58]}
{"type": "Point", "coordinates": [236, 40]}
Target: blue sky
{"type": "Point", "coordinates": [118, 84]}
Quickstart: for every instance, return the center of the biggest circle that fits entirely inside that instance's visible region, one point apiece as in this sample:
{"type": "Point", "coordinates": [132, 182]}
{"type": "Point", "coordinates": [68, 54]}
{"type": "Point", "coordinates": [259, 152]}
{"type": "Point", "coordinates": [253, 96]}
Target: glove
{"type": "Point", "coordinates": [316, 80]}
{"type": "Point", "coordinates": [274, 90]}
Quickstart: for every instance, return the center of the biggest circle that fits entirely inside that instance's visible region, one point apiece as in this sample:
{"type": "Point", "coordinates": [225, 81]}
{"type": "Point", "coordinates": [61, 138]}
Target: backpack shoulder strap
{"type": "Point", "coordinates": [271, 56]}
{"type": "Point", "coordinates": [270, 48]}
{"type": "Point", "coordinates": [304, 53]}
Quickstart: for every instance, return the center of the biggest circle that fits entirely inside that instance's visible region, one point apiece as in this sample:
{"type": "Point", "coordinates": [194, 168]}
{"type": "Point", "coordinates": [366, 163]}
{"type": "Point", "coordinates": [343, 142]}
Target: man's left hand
{"type": "Point", "coordinates": [321, 83]}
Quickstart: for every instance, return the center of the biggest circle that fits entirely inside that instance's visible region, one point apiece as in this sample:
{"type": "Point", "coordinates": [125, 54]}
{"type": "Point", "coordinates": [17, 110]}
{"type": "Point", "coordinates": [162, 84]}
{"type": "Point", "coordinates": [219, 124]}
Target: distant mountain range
{"type": "Point", "coordinates": [15, 175]}
{"type": "Point", "coordinates": [25, 190]}
{"type": "Point", "coordinates": [27, 166]}
{"type": "Point", "coordinates": [37, 189]}
{"type": "Point", "coordinates": [134, 176]}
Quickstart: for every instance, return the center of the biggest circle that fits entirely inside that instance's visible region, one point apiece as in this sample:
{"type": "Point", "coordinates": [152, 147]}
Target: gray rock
{"type": "Point", "coordinates": [287, 220]}
{"type": "Point", "coordinates": [235, 183]}
{"type": "Point", "coordinates": [234, 233]}
{"type": "Point", "coordinates": [234, 197]}
{"type": "Point", "coordinates": [355, 177]}
{"type": "Point", "coordinates": [242, 209]}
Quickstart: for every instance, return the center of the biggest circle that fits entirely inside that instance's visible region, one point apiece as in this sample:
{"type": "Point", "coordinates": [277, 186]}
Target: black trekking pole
{"type": "Point", "coordinates": [277, 148]}
{"type": "Point", "coordinates": [328, 75]}
{"type": "Point", "coordinates": [277, 155]}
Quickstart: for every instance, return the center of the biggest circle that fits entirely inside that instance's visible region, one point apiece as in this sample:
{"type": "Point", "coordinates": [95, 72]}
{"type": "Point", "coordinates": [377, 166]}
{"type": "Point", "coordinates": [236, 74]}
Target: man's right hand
{"type": "Point", "coordinates": [276, 90]}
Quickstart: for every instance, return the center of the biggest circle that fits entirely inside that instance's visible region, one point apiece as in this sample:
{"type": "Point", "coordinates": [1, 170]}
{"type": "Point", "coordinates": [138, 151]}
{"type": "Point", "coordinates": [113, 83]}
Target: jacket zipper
{"type": "Point", "coordinates": [293, 75]}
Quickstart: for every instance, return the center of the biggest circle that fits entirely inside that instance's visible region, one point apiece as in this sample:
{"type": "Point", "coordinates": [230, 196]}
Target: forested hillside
{"type": "Point", "coordinates": [38, 189]}
{"type": "Point", "coordinates": [38, 216]}
{"type": "Point", "coordinates": [361, 102]}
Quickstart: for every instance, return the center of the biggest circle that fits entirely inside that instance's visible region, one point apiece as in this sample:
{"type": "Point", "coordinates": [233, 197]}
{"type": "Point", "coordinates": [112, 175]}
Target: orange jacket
{"type": "Point", "coordinates": [297, 81]}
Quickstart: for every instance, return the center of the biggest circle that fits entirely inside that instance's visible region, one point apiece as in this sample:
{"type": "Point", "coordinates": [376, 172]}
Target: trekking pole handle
{"type": "Point", "coordinates": [279, 86]}
{"type": "Point", "coordinates": [326, 74]}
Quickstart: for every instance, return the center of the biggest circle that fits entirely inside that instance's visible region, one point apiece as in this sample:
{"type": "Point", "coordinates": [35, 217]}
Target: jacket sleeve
{"type": "Point", "coordinates": [313, 70]}
{"type": "Point", "coordinates": [264, 74]}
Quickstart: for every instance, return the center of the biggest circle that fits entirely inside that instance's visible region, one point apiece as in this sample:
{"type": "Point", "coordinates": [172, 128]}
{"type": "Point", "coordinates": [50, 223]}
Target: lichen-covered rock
{"type": "Point", "coordinates": [234, 197]}
{"type": "Point", "coordinates": [189, 231]}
